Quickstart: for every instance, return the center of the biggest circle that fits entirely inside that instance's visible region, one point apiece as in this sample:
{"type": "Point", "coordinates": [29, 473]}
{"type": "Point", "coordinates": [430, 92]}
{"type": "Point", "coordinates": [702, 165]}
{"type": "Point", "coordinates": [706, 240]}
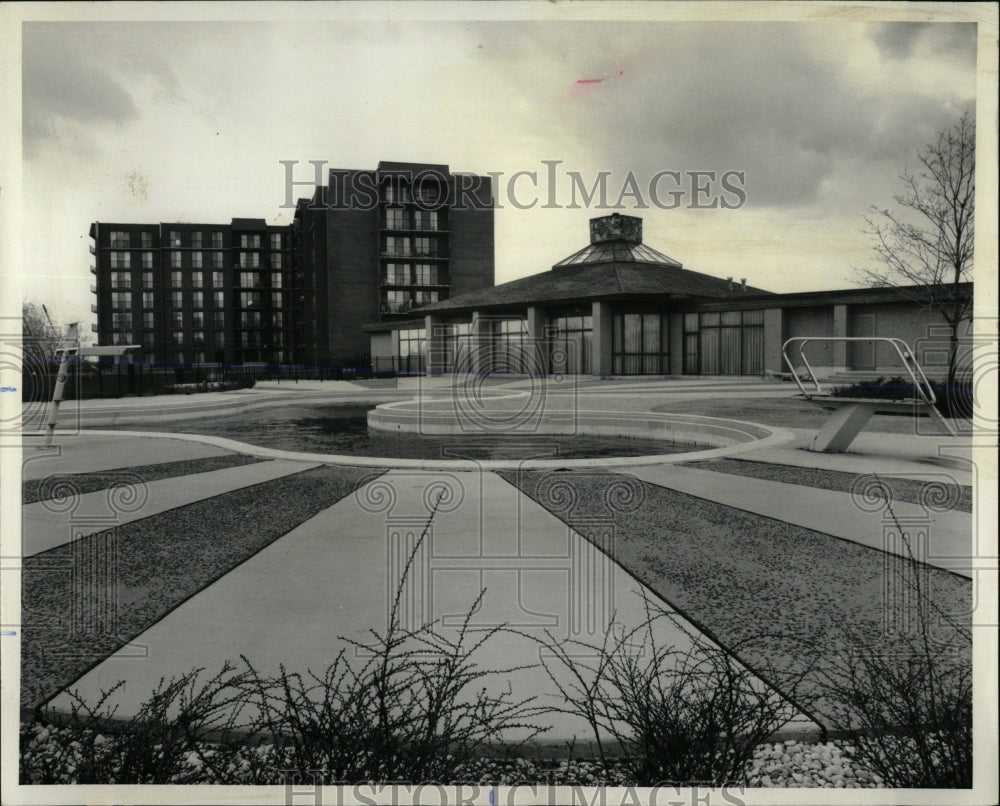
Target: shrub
{"type": "Point", "coordinates": [909, 713]}
{"type": "Point", "coordinates": [950, 402]}
{"type": "Point", "coordinates": [165, 742]}
{"type": "Point", "coordinates": [676, 716]}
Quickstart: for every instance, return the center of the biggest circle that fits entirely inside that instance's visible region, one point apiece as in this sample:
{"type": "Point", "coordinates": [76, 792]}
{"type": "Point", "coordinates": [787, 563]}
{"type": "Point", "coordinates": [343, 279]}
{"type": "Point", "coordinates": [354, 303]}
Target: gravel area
{"type": "Point", "coordinates": [161, 561]}
{"type": "Point", "coordinates": [778, 591]}
{"type": "Point", "coordinates": [52, 754]}
{"type": "Point", "coordinates": [940, 496]}
{"type": "Point", "coordinates": [63, 485]}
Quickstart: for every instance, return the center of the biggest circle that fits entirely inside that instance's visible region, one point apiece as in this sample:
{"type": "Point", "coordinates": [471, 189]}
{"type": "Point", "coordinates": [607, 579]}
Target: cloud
{"type": "Point", "coordinates": [902, 40]}
{"type": "Point", "coordinates": [73, 82]}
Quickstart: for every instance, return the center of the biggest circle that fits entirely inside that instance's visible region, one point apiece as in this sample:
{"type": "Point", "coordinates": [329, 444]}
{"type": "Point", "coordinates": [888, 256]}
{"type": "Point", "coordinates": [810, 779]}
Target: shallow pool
{"type": "Point", "coordinates": [343, 429]}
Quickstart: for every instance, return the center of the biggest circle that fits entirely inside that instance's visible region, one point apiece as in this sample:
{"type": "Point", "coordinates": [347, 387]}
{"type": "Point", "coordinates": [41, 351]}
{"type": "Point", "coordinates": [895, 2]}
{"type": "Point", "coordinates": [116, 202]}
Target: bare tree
{"type": "Point", "coordinates": [925, 246]}
{"type": "Point", "coordinates": [39, 336]}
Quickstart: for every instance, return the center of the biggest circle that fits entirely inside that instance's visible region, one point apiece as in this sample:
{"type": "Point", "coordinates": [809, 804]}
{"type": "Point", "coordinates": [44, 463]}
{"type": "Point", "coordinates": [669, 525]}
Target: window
{"type": "Point", "coordinates": [276, 240]}
{"type": "Point", "coordinates": [217, 260]}
{"type": "Point", "coordinates": [426, 220]}
{"type": "Point", "coordinates": [121, 279]}
{"type": "Point", "coordinates": [396, 301]}
{"type": "Point", "coordinates": [429, 193]}
{"type": "Point", "coordinates": [217, 280]}
{"type": "Point", "coordinates": [397, 246]}
{"type": "Point", "coordinates": [276, 260]}
{"type": "Point", "coordinates": [174, 238]}
{"type": "Point", "coordinates": [149, 343]}
{"type": "Point", "coordinates": [412, 349]}
{"type": "Point", "coordinates": [277, 318]}
{"type": "Point", "coordinates": [276, 299]}
{"type": "Point", "coordinates": [397, 273]}
{"type": "Point", "coordinates": [275, 279]}
{"type": "Point", "coordinates": [249, 318]}
{"type": "Point", "coordinates": [196, 240]}
{"type": "Point", "coordinates": [176, 299]}
{"type": "Point", "coordinates": [424, 297]}
{"type": "Point", "coordinates": [146, 240]}
{"type": "Point", "coordinates": [220, 298]}
{"type": "Point", "coordinates": [396, 218]}
{"type": "Point", "coordinates": [176, 279]}
{"type": "Point", "coordinates": [148, 321]}
{"type": "Point", "coordinates": [424, 246]}
{"type": "Point", "coordinates": [121, 300]}
{"type": "Point", "coordinates": [196, 260]}
{"type": "Point", "coordinates": [396, 192]}
{"type": "Point", "coordinates": [570, 339]}
{"type": "Point", "coordinates": [198, 337]}
{"type": "Point", "coordinates": [425, 274]}
{"type": "Point", "coordinates": [177, 318]}
{"type": "Point", "coordinates": [175, 260]}
{"type": "Point", "coordinates": [178, 356]}
{"type": "Point", "coordinates": [217, 240]}
{"type": "Point", "coordinates": [147, 299]}
{"type": "Point", "coordinates": [147, 280]}
{"type": "Point", "coordinates": [119, 239]}
{"type": "Point", "coordinates": [219, 319]}
{"type": "Point", "coordinates": [249, 260]}
{"type": "Point", "coordinates": [121, 321]}
{"type": "Point", "coordinates": [250, 241]}
{"type": "Point", "coordinates": [147, 260]}
{"type": "Point", "coordinates": [121, 260]}
{"type": "Point", "coordinates": [220, 338]}
{"type": "Point", "coordinates": [277, 339]}
{"type": "Point", "coordinates": [249, 299]}
{"type": "Point", "coordinates": [177, 338]}
{"type": "Point", "coordinates": [197, 299]}
{"type": "Point", "coordinates": [249, 279]}
{"type": "Point", "coordinates": [640, 344]}
{"type": "Point", "coordinates": [199, 356]}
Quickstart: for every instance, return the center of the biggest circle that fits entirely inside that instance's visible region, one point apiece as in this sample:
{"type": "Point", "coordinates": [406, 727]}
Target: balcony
{"type": "Point", "coordinates": [93, 270]}
{"type": "Point", "coordinates": [93, 307]}
{"type": "Point", "coordinates": [93, 249]}
{"type": "Point", "coordinates": [423, 254]}
{"type": "Point", "coordinates": [93, 289]}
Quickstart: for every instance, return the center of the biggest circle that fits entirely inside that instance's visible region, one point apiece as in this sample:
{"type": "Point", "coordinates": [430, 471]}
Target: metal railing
{"type": "Point", "coordinates": [921, 385]}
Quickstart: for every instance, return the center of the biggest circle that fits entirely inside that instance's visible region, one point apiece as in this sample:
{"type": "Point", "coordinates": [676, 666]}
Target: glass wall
{"type": "Point", "coordinates": [412, 350]}
{"type": "Point", "coordinates": [570, 344]}
{"type": "Point", "coordinates": [510, 344]}
{"type": "Point", "coordinates": [724, 343]}
{"type": "Point", "coordinates": [640, 344]}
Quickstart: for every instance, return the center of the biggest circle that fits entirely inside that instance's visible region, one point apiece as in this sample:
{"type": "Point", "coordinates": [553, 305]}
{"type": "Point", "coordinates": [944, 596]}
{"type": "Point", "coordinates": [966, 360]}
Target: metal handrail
{"type": "Point", "coordinates": [906, 356]}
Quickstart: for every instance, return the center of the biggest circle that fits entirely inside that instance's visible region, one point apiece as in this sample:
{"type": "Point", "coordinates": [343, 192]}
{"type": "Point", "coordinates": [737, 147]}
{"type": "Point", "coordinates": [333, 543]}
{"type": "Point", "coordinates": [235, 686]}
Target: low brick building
{"type": "Point", "coordinates": [619, 307]}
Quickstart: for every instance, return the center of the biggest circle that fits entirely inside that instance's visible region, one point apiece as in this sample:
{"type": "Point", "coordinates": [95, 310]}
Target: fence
{"type": "Point", "coordinates": [88, 381]}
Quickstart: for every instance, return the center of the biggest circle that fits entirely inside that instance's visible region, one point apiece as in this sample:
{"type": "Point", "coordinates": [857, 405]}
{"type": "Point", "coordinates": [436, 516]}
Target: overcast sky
{"type": "Point", "coordinates": [188, 121]}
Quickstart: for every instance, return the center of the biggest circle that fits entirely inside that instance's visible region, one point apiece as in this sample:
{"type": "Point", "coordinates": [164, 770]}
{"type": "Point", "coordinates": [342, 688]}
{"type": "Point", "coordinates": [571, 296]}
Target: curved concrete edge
{"type": "Point", "coordinates": [778, 437]}
{"type": "Point", "coordinates": [195, 409]}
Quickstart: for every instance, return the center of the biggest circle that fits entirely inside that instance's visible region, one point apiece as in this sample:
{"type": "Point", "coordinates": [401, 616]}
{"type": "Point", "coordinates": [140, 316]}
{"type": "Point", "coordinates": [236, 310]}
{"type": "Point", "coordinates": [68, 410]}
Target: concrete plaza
{"type": "Point", "coordinates": [334, 575]}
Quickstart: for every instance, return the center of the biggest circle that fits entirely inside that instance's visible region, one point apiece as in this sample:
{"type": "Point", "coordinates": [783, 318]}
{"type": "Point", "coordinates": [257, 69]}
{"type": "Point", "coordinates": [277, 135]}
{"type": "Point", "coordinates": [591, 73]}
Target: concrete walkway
{"type": "Point", "coordinates": [335, 577]}
{"type": "Point", "coordinates": [86, 453]}
{"type": "Point", "coordinates": [47, 524]}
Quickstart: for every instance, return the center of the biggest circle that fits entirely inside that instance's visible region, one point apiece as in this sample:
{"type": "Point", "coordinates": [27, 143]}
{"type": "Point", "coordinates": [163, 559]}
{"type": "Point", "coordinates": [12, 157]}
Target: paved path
{"type": "Point", "coordinates": [86, 453]}
{"type": "Point", "coordinates": [47, 524]}
{"type": "Point", "coordinates": [949, 534]}
{"type": "Point", "coordinates": [334, 576]}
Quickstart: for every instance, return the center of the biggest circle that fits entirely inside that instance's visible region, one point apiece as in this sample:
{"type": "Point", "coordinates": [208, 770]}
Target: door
{"type": "Point", "coordinates": [863, 352]}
